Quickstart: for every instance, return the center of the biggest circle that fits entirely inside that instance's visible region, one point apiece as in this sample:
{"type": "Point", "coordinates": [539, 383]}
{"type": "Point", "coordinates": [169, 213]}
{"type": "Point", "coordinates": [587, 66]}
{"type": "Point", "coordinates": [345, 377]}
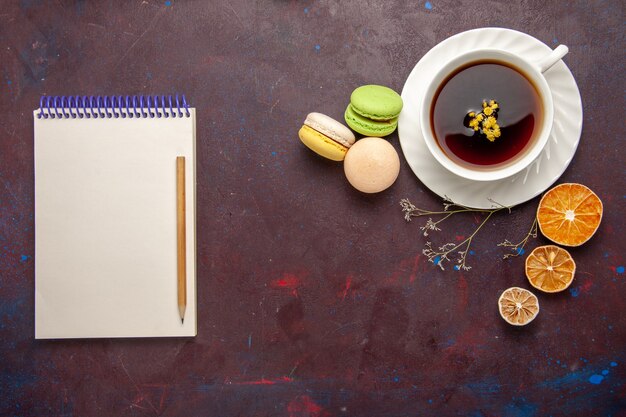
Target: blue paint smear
{"type": "Point", "coordinates": [613, 363]}
{"type": "Point", "coordinates": [428, 5]}
{"type": "Point", "coordinates": [520, 251]}
{"type": "Point", "coordinates": [317, 47]}
{"type": "Point", "coordinates": [572, 378]}
{"type": "Point", "coordinates": [605, 372]}
{"type": "Point", "coordinates": [27, 4]}
{"type": "Point", "coordinates": [619, 269]}
{"type": "Point", "coordinates": [9, 311]}
{"type": "Point", "coordinates": [24, 258]}
{"type": "Point", "coordinates": [306, 10]}
{"type": "Point", "coordinates": [437, 260]}
{"type": "Point", "coordinates": [520, 407]}
{"type": "Point", "coordinates": [18, 381]}
{"type": "Point", "coordinates": [168, 3]}
{"type": "Point", "coordinates": [574, 291]}
{"type": "Point", "coordinates": [204, 387]}
{"type": "Point", "coordinates": [596, 379]}
{"type": "Point", "coordinates": [456, 267]}
{"type": "Point", "coordinates": [472, 252]}
{"type": "Point", "coordinates": [80, 8]}
{"type": "Point", "coordinates": [486, 386]}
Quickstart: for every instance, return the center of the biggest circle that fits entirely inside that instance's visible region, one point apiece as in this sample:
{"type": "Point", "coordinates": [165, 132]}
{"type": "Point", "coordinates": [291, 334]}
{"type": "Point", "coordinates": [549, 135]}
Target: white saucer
{"type": "Point", "coordinates": [530, 182]}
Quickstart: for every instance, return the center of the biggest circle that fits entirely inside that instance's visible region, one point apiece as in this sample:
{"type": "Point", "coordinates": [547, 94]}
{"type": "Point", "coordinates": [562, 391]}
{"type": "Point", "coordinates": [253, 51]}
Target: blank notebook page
{"type": "Point", "coordinates": [105, 227]}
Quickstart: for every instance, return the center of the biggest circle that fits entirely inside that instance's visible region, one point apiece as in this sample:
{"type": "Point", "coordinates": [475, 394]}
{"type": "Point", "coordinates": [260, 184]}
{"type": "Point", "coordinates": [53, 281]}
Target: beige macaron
{"type": "Point", "coordinates": [371, 165]}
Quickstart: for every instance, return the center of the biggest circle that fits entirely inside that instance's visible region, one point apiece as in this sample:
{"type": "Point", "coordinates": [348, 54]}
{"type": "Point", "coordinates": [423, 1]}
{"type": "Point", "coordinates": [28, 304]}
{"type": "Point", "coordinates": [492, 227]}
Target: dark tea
{"type": "Point", "coordinates": [519, 114]}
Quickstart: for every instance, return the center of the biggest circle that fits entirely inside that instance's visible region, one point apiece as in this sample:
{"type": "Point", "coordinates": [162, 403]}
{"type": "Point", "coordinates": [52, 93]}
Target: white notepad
{"type": "Point", "coordinates": [105, 218]}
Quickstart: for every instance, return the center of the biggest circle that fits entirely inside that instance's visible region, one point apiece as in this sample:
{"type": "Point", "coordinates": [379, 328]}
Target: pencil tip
{"type": "Point", "coordinates": [182, 320]}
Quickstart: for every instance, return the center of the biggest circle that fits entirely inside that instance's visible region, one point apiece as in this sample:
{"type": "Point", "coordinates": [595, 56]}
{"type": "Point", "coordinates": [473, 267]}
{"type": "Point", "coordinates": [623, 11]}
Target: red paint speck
{"type": "Point", "coordinates": [289, 281]}
{"type": "Point", "coordinates": [212, 59]}
{"type": "Point", "coordinates": [413, 275]}
{"type": "Point", "coordinates": [586, 286]}
{"type": "Point", "coordinates": [304, 406]}
{"type": "Point", "coordinates": [264, 381]}
{"type": "Point", "coordinates": [345, 291]}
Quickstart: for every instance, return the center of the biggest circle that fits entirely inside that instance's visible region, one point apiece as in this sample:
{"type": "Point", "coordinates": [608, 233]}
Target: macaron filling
{"type": "Point", "coordinates": [369, 127]}
{"type": "Point", "coordinates": [331, 128]}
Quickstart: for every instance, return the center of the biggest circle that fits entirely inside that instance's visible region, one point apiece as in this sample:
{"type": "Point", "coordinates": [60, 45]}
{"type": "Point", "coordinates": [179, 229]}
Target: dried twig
{"type": "Point", "coordinates": [518, 248]}
{"type": "Point", "coordinates": [439, 255]}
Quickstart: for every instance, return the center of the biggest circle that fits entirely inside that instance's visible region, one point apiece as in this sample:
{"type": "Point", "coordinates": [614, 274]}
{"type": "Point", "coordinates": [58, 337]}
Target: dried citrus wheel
{"type": "Point", "coordinates": [569, 214]}
{"type": "Point", "coordinates": [550, 268]}
{"type": "Point", "coordinates": [518, 306]}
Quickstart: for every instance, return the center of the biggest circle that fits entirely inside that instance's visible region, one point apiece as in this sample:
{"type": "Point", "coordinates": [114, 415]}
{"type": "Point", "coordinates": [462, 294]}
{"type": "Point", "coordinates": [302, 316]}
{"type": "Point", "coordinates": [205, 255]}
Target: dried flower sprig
{"type": "Point", "coordinates": [441, 254]}
{"type": "Point", "coordinates": [486, 121]}
{"type": "Point", "coordinates": [518, 248]}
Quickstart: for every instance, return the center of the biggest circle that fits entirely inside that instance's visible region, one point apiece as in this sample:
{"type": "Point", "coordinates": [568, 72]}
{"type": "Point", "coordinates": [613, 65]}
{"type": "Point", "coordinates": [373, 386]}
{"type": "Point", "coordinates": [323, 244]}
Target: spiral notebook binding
{"type": "Point", "coordinates": [113, 107]}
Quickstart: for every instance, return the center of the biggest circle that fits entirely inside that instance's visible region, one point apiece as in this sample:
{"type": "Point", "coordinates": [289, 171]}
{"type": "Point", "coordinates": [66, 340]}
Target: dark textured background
{"type": "Point", "coordinates": [314, 300]}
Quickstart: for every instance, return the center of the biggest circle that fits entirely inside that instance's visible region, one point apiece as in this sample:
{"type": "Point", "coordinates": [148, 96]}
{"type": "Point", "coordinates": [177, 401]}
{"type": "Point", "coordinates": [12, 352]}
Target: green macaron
{"type": "Point", "coordinates": [369, 127]}
{"type": "Point", "coordinates": [376, 102]}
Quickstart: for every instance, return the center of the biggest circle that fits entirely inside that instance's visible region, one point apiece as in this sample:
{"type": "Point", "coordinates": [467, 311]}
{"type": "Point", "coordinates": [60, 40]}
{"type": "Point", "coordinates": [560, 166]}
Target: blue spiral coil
{"type": "Point", "coordinates": [112, 107]}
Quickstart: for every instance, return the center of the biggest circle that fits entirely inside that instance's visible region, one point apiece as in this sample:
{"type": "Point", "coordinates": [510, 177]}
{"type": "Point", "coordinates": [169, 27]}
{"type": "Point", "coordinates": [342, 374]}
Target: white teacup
{"type": "Point", "coordinates": [533, 71]}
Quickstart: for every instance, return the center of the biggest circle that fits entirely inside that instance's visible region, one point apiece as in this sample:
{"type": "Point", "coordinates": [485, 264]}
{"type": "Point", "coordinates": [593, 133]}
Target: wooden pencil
{"type": "Point", "coordinates": [181, 237]}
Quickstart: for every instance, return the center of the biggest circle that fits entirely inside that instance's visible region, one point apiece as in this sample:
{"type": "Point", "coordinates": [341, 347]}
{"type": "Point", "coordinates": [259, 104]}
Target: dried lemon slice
{"type": "Point", "coordinates": [550, 268]}
{"type": "Point", "coordinates": [569, 214]}
{"type": "Point", "coordinates": [518, 306]}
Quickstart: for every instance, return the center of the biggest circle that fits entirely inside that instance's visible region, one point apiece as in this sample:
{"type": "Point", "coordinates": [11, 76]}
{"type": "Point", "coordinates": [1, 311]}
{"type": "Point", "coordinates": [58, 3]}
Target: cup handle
{"type": "Point", "coordinates": [552, 58]}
